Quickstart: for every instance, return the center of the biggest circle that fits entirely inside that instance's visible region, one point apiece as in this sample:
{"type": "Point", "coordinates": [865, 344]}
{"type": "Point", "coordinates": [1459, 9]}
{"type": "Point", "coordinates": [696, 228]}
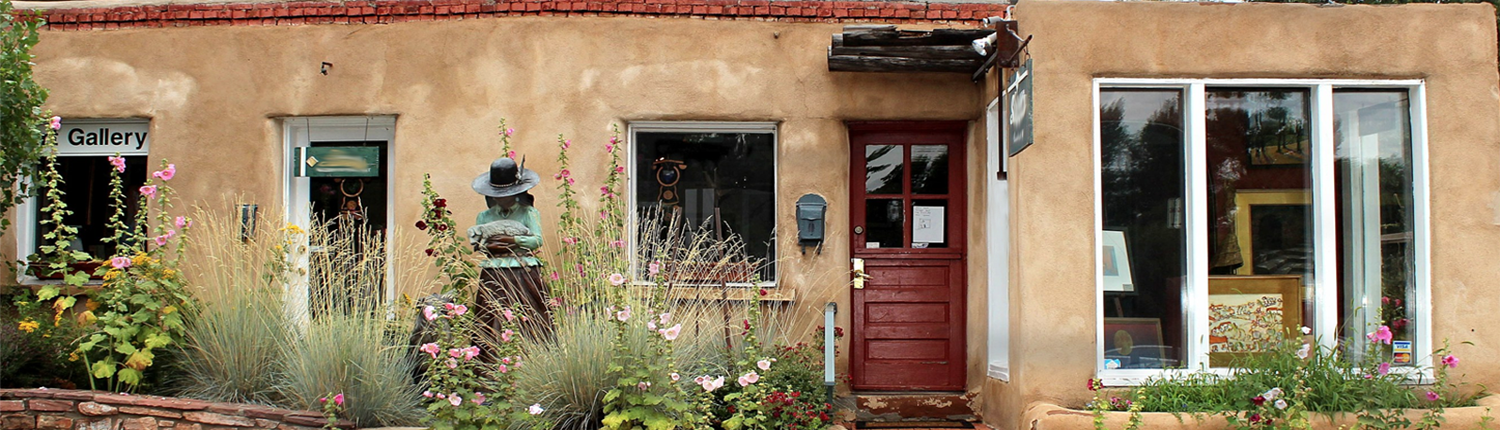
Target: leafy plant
{"type": "Point", "coordinates": [21, 100]}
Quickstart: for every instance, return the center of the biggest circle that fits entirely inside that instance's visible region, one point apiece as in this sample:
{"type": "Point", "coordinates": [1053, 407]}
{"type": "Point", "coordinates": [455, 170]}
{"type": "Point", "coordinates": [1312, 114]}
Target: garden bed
{"type": "Point", "coordinates": [52, 409]}
{"type": "Point", "coordinates": [1053, 417]}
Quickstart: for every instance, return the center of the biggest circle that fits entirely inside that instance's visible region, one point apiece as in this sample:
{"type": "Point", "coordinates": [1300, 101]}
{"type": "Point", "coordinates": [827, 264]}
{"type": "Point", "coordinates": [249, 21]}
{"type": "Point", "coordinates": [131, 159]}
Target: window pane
{"type": "Point", "coordinates": [1372, 136]}
{"type": "Point", "coordinates": [883, 223]}
{"type": "Point", "coordinates": [86, 192]}
{"type": "Point", "coordinates": [929, 169]}
{"type": "Point", "coordinates": [1143, 176]}
{"type": "Point", "coordinates": [883, 169]}
{"type": "Point", "coordinates": [1260, 230]}
{"type": "Point", "coordinates": [723, 181]}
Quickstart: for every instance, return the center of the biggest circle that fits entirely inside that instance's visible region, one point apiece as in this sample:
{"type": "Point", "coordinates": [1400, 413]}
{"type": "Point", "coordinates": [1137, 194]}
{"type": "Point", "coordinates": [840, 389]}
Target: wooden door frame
{"type": "Point", "coordinates": [954, 134]}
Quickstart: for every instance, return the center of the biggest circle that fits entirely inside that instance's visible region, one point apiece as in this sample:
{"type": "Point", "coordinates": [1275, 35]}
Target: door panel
{"type": "Point", "coordinates": [907, 210]}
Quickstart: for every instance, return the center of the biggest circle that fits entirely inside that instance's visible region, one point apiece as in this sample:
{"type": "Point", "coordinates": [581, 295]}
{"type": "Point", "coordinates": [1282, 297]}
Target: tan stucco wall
{"type": "Point", "coordinates": [214, 94]}
{"type": "Point", "coordinates": [1451, 47]}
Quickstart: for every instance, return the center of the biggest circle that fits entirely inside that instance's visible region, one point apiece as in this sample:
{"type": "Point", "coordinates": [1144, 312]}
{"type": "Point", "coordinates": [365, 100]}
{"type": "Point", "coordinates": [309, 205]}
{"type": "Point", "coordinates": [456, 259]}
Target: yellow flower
{"type": "Point", "coordinates": [73, 356]}
{"type": "Point", "coordinates": [111, 274]}
{"type": "Point", "coordinates": [28, 326]}
{"type": "Point", "coordinates": [293, 229]}
{"type": "Point", "coordinates": [168, 272]}
{"type": "Point", "coordinates": [168, 310]}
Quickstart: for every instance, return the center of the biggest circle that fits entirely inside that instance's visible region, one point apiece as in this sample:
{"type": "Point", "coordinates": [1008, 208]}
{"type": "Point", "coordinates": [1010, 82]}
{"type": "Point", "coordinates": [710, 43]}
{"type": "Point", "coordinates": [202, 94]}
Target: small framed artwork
{"type": "Point", "coordinates": [1115, 260]}
{"type": "Point", "coordinates": [1249, 314]}
{"type": "Point", "coordinates": [1135, 342]}
{"type": "Point", "coordinates": [1273, 230]}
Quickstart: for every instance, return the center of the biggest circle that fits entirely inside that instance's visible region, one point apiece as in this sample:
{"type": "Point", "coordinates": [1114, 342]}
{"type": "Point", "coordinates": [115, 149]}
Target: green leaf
{"type": "Point", "coordinates": [103, 369]}
{"type": "Point", "coordinates": [76, 278]}
{"type": "Point", "coordinates": [158, 340]}
{"type": "Point", "coordinates": [130, 376]}
{"type": "Point", "coordinates": [125, 349]}
{"type": "Point", "coordinates": [47, 292]}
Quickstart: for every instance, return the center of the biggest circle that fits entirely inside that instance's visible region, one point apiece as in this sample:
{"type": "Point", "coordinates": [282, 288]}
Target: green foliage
{"type": "Point", "coordinates": [35, 343]}
{"type": "Point", "coordinates": [356, 355]}
{"type": "Point", "coordinates": [144, 302]}
{"type": "Point", "coordinates": [53, 255]}
{"type": "Point", "coordinates": [22, 140]}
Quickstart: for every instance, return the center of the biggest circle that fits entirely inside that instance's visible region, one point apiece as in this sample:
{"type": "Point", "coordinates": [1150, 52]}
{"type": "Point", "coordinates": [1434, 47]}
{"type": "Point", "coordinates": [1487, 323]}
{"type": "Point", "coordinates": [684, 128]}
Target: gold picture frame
{"type": "Point", "coordinates": [1245, 202]}
{"type": "Point", "coordinates": [1243, 314]}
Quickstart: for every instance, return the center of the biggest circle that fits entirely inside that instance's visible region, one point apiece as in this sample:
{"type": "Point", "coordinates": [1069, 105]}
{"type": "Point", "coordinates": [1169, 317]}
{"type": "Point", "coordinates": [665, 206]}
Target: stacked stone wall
{"type": "Point", "coordinates": [51, 409]}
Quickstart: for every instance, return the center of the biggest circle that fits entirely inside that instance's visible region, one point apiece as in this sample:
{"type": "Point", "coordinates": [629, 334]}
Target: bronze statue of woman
{"type": "Point", "coordinates": [509, 232]}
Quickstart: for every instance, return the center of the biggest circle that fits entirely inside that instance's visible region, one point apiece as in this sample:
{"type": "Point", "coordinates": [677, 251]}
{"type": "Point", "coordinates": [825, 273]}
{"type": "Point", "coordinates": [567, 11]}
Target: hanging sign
{"type": "Point", "coordinates": [102, 137]}
{"type": "Point", "coordinates": [1018, 109]}
{"type": "Point", "coordinates": [338, 161]}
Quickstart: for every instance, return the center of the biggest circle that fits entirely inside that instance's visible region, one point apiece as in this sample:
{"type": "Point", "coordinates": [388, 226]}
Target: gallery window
{"type": "Point", "coordinates": [1234, 211]}
{"type": "Point", "coordinates": [713, 178]}
{"type": "Point", "coordinates": [84, 148]}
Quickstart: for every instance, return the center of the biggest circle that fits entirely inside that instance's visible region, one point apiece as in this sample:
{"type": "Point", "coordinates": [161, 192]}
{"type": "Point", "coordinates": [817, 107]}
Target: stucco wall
{"type": "Point", "coordinates": [1451, 47]}
{"type": "Point", "coordinates": [214, 96]}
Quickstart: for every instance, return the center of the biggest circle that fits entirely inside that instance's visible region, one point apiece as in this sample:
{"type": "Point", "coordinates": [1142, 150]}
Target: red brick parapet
{"type": "Point", "coordinates": [49, 409]}
{"type": "Point", "coordinates": [392, 11]}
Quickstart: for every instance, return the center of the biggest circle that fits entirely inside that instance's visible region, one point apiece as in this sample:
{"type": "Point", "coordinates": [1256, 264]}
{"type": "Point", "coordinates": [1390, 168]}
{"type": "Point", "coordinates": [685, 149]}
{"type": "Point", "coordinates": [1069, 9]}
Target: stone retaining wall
{"type": "Point", "coordinates": [51, 409]}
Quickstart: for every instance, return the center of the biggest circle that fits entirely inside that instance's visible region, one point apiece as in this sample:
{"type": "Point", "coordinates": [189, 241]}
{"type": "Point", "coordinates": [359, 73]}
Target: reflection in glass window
{"type": "Point", "coordinates": [725, 182]}
{"type": "Point", "coordinates": [1141, 151]}
{"type": "Point", "coordinates": [1374, 168]}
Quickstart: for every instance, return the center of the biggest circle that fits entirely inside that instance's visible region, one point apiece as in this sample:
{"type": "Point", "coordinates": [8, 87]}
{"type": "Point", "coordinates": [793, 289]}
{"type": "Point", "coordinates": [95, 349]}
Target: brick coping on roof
{"type": "Point", "coordinates": [393, 11]}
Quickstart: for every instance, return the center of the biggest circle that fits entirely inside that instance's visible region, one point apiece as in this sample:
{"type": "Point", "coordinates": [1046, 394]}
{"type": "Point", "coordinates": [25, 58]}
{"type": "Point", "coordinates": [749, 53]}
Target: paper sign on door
{"type": "Point", "coordinates": [927, 224]}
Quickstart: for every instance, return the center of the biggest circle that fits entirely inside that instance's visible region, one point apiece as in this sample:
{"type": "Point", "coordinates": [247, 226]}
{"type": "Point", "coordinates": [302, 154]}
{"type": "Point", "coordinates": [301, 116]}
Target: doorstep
{"type": "Point", "coordinates": [913, 406]}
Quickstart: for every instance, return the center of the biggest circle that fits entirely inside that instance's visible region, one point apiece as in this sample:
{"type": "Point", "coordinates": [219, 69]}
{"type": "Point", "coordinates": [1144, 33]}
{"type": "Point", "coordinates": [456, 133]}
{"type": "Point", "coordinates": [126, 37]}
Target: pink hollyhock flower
{"type": "Point", "coordinates": [429, 312]}
{"type": "Point", "coordinates": [643, 385]}
{"type": "Point", "coordinates": [763, 364]}
{"type": "Point", "coordinates": [675, 376]}
{"type": "Point", "coordinates": [505, 360]}
{"type": "Point", "coordinates": [613, 139]}
{"type": "Point", "coordinates": [567, 143]}
{"type": "Point", "coordinates": [160, 240]}
{"type": "Point", "coordinates": [616, 279]}
{"type": "Point", "coordinates": [455, 352]}
{"type": "Point", "coordinates": [55, 122]}
{"type": "Point", "coordinates": [119, 262]}
{"type": "Point", "coordinates": [427, 394]}
{"type": "Point", "coordinates": [651, 325]}
{"type": "Point", "coordinates": [710, 384]}
{"type": "Point", "coordinates": [149, 191]}
{"type": "Point", "coordinates": [654, 267]}
{"type": "Point", "coordinates": [471, 352]}
{"type": "Point", "coordinates": [167, 173]}
{"type": "Point", "coordinates": [171, 233]}
{"type": "Point", "coordinates": [555, 277]}
{"type": "Point", "coordinates": [617, 243]}
{"type": "Point", "coordinates": [449, 306]}
{"type": "Point", "coordinates": [619, 169]}
{"type": "Point", "coordinates": [1382, 335]}
{"type": "Point", "coordinates": [1383, 368]}
{"type": "Point", "coordinates": [118, 162]}
{"type": "Point", "coordinates": [666, 318]}
{"type": "Point", "coordinates": [672, 333]}
{"type": "Point", "coordinates": [609, 148]}
{"type": "Point", "coordinates": [570, 240]}
{"type": "Point", "coordinates": [580, 268]}
{"type": "Point", "coordinates": [455, 400]}
{"type": "Point", "coordinates": [503, 368]}
{"type": "Point", "coordinates": [453, 363]}
{"type": "Point", "coordinates": [431, 349]}
{"type": "Point", "coordinates": [1450, 361]}
{"type": "Point", "coordinates": [624, 314]}
{"type": "Point", "coordinates": [509, 131]}
{"type": "Point", "coordinates": [338, 399]}
{"type": "Point", "coordinates": [505, 335]}
{"type": "Point", "coordinates": [181, 222]}
{"type": "Point", "coordinates": [603, 215]}
{"type": "Point", "coordinates": [442, 396]}
{"type": "Point", "coordinates": [478, 398]}
{"type": "Point", "coordinates": [569, 181]}
{"type": "Point", "coordinates": [749, 378]}
{"type": "Point", "coordinates": [1431, 396]}
{"type": "Point", "coordinates": [509, 316]}
{"type": "Point", "coordinates": [535, 409]}
{"type": "Point", "coordinates": [460, 310]}
{"type": "Point", "coordinates": [511, 154]}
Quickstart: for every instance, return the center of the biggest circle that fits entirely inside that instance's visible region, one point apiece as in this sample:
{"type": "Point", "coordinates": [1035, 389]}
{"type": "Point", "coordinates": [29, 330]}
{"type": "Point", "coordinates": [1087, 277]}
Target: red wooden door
{"type": "Point", "coordinates": [906, 197]}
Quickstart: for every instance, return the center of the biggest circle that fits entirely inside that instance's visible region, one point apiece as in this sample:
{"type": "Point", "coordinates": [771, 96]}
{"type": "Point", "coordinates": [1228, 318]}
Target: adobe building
{"type": "Point", "coordinates": [1114, 190]}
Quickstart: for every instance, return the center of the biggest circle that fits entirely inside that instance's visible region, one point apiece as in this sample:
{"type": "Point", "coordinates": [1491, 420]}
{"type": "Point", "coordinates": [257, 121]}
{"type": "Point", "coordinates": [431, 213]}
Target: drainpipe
{"type": "Point", "coordinates": [828, 312]}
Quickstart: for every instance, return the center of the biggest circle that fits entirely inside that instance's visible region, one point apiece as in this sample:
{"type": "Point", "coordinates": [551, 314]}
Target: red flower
{"type": "Point", "coordinates": [421, 225]}
{"type": "Point", "coordinates": [763, 292]}
{"type": "Point", "coordinates": [1256, 419]}
{"type": "Point", "coordinates": [442, 203]}
{"type": "Point", "coordinates": [442, 227]}
{"type": "Point", "coordinates": [1093, 385]}
{"type": "Point", "coordinates": [429, 252]}
{"type": "Point", "coordinates": [1258, 400]}
{"type": "Point", "coordinates": [747, 324]}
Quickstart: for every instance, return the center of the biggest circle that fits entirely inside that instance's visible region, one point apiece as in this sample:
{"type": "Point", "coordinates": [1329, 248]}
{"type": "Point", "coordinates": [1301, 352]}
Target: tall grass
{"type": "Point", "coordinates": [248, 345]}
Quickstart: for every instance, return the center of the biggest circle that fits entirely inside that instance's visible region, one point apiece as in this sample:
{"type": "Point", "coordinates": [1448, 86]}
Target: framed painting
{"type": "Point", "coordinates": [1135, 343]}
{"type": "Point", "coordinates": [1273, 230]}
{"type": "Point", "coordinates": [1249, 314]}
{"type": "Point", "coordinates": [1115, 259]}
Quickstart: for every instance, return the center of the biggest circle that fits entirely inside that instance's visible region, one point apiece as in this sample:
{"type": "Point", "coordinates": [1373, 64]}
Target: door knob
{"type": "Point", "coordinates": [859, 273]}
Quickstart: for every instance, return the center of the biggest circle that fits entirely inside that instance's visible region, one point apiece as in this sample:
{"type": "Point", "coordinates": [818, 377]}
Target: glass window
{"type": "Point", "coordinates": [86, 192]}
{"type": "Point", "coordinates": [1202, 264]}
{"type": "Point", "coordinates": [723, 180]}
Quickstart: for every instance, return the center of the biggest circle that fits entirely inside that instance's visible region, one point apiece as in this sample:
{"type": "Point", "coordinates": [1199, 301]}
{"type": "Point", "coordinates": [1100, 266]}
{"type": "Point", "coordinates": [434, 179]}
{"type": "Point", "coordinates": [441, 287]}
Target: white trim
{"type": "Point", "coordinates": [1325, 288]}
{"type": "Point", "coordinates": [997, 242]}
{"type": "Point", "coordinates": [998, 371]}
{"type": "Point", "coordinates": [772, 128]}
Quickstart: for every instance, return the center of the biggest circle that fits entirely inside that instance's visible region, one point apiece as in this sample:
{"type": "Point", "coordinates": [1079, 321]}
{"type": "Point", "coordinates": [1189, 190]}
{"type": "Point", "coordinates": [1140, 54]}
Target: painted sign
{"type": "Point", "coordinates": [338, 161]}
{"type": "Point", "coordinates": [1018, 109]}
{"type": "Point", "coordinates": [102, 137]}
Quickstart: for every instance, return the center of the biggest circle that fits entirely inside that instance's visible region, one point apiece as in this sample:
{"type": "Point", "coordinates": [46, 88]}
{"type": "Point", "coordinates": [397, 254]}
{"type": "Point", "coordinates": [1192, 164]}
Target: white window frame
{"type": "Point", "coordinates": [299, 132]}
{"type": "Point", "coordinates": [1325, 235]}
{"type": "Point", "coordinates": [26, 221]}
{"type": "Point", "coordinates": [997, 240]}
{"type": "Point", "coordinates": [631, 175]}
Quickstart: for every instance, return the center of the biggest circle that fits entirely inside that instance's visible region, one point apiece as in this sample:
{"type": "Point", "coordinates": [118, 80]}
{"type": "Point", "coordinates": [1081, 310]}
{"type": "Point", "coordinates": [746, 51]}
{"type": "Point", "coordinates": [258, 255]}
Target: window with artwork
{"type": "Point", "coordinates": [714, 179]}
{"type": "Point", "coordinates": [1235, 212]}
{"type": "Point", "coordinates": [84, 147]}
